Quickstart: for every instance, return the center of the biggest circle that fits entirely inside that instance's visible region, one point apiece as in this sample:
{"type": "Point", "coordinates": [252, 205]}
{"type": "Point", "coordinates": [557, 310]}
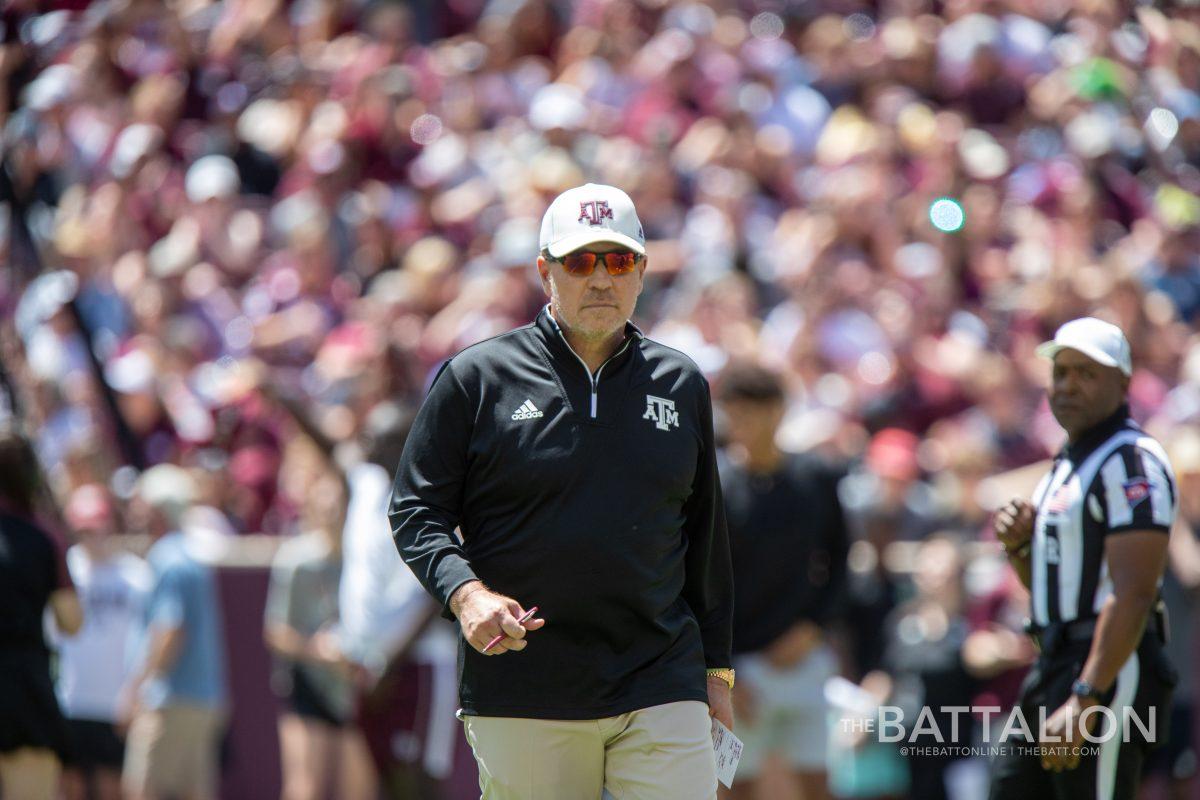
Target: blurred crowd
{"type": "Point", "coordinates": [235, 230]}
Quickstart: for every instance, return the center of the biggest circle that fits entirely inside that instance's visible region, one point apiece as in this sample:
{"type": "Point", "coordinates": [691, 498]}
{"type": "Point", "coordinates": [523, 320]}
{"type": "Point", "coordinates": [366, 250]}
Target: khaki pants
{"type": "Point", "coordinates": [173, 751]}
{"type": "Point", "coordinates": [659, 753]}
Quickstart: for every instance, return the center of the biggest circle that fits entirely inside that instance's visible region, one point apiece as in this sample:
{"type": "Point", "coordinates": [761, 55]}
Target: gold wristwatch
{"type": "Point", "coordinates": [724, 673]}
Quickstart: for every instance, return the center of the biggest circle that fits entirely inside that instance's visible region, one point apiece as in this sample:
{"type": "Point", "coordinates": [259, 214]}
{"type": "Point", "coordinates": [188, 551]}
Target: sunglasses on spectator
{"type": "Point", "coordinates": [582, 263]}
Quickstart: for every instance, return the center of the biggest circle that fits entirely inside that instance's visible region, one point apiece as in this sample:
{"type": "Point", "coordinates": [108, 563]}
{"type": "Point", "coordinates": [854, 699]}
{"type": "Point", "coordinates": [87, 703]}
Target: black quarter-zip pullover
{"type": "Point", "coordinates": [594, 497]}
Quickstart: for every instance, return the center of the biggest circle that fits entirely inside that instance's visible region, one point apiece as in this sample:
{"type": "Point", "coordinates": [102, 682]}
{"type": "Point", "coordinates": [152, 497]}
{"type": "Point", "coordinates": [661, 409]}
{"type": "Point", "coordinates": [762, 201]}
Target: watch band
{"type": "Point", "coordinates": [1082, 688]}
{"type": "Point", "coordinates": [724, 673]}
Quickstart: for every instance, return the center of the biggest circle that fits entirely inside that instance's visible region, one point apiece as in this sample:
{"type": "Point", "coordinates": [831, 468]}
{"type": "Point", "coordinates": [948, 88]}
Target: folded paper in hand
{"type": "Point", "coordinates": [728, 750]}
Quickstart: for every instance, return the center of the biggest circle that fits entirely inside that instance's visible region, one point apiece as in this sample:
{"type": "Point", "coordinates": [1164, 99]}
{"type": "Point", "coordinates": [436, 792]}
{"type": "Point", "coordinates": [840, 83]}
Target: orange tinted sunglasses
{"type": "Point", "coordinates": [583, 263]}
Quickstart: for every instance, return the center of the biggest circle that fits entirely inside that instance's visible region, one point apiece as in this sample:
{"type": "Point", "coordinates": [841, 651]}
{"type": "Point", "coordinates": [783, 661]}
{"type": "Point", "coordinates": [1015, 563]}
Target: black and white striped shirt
{"type": "Point", "coordinates": [1114, 479]}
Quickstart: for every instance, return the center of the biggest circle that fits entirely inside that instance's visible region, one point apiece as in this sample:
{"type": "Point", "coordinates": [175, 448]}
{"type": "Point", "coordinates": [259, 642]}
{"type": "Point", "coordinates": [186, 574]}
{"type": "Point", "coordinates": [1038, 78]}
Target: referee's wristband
{"type": "Point", "coordinates": [724, 673]}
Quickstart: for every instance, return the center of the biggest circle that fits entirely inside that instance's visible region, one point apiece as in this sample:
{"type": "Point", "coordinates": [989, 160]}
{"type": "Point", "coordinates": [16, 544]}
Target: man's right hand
{"type": "Point", "coordinates": [483, 615]}
{"type": "Point", "coordinates": [1014, 524]}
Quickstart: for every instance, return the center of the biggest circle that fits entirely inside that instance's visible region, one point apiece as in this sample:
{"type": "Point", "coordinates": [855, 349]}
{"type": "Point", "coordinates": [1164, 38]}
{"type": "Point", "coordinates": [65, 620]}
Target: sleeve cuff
{"type": "Point", "coordinates": [718, 659]}
{"type": "Point", "coordinates": [453, 573]}
{"type": "Point", "coordinates": [1140, 526]}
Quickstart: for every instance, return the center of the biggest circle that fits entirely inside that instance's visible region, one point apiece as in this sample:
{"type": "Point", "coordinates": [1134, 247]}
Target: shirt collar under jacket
{"type": "Point", "coordinates": [1098, 434]}
{"type": "Point", "coordinates": [556, 343]}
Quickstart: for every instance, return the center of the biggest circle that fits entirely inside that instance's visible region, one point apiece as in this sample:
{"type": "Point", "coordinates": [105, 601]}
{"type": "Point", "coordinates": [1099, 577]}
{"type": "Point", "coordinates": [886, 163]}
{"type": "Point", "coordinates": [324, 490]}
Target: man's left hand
{"type": "Point", "coordinates": [719, 704]}
{"type": "Point", "coordinates": [1067, 726]}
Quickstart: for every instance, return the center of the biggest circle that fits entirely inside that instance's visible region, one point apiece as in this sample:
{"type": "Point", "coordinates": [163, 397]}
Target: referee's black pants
{"type": "Point", "coordinates": [1110, 770]}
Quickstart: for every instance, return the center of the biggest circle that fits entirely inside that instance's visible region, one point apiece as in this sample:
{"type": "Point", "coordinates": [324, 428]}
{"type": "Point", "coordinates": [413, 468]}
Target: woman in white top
{"type": "Point", "coordinates": [94, 665]}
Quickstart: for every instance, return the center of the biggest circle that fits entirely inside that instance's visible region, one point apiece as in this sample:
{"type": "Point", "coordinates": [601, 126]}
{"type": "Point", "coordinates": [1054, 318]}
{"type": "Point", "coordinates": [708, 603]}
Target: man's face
{"type": "Point", "coordinates": [752, 423]}
{"type": "Point", "coordinates": [597, 305]}
{"type": "Point", "coordinates": [1084, 392]}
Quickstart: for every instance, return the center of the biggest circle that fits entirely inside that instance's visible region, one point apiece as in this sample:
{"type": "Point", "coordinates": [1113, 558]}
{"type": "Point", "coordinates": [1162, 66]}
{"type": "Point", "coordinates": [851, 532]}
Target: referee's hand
{"type": "Point", "coordinates": [1014, 524]}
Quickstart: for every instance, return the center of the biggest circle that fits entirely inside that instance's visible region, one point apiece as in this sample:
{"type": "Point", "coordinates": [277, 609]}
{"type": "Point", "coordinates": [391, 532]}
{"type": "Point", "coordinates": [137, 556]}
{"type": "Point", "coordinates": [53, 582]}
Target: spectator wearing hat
{"type": "Point", "coordinates": [887, 500]}
{"type": "Point", "coordinates": [176, 702]}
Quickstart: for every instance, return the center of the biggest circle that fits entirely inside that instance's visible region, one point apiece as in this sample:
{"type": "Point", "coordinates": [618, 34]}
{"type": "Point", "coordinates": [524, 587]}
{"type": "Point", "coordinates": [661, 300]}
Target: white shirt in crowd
{"type": "Point", "coordinates": [95, 664]}
{"type": "Point", "coordinates": [382, 603]}
{"type": "Point", "coordinates": [383, 606]}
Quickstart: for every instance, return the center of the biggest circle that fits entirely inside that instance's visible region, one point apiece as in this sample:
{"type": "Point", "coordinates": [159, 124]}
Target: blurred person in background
{"type": "Point", "coordinates": [390, 629]}
{"type": "Point", "coordinates": [923, 661]}
{"type": "Point", "coordinates": [33, 578]}
{"type": "Point", "coordinates": [95, 665]}
{"type": "Point", "coordinates": [176, 703]}
{"type": "Point", "coordinates": [320, 745]}
{"type": "Point", "coordinates": [886, 499]}
{"type": "Point", "coordinates": [386, 633]}
{"type": "Point", "coordinates": [788, 542]}
{"type": "Point", "coordinates": [997, 652]}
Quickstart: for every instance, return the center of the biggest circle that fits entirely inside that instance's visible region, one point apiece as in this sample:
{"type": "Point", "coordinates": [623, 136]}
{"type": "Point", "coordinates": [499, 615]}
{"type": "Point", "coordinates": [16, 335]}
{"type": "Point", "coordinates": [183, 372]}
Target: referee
{"type": "Point", "coordinates": [1091, 548]}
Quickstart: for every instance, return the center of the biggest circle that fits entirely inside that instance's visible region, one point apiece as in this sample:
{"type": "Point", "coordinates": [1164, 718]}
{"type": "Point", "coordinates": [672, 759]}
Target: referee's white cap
{"type": "Point", "coordinates": [1100, 341]}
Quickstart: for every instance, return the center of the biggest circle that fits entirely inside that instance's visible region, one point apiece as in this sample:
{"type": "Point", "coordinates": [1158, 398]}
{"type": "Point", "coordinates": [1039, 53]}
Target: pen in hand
{"type": "Point", "coordinates": [528, 615]}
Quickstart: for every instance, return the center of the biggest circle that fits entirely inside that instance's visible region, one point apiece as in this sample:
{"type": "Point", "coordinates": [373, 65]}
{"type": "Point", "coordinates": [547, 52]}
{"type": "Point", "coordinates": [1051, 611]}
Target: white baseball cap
{"type": "Point", "coordinates": [211, 177]}
{"type": "Point", "coordinates": [588, 214]}
{"type": "Point", "coordinates": [1100, 341]}
{"type": "Point", "coordinates": [168, 488]}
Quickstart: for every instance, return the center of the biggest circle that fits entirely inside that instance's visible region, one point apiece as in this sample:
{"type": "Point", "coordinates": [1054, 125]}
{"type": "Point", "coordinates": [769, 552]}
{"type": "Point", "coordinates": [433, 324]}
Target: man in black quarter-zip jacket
{"type": "Point", "coordinates": [576, 458]}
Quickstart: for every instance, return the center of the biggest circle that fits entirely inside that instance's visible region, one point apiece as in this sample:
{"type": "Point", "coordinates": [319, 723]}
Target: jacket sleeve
{"type": "Point", "coordinates": [708, 584]}
{"type": "Point", "coordinates": [428, 492]}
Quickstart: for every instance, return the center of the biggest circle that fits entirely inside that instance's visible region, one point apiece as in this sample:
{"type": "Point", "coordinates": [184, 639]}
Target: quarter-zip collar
{"type": "Point", "coordinates": [569, 362]}
{"type": "Point", "coordinates": [557, 344]}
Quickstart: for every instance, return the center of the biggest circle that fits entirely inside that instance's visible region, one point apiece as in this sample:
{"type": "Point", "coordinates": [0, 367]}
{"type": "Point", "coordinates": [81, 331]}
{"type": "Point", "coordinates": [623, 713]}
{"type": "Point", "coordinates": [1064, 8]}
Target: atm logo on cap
{"type": "Point", "coordinates": [594, 211]}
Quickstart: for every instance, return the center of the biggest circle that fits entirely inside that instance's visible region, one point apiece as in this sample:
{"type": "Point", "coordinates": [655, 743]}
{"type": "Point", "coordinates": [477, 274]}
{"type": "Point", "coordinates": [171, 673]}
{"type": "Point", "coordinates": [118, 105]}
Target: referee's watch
{"type": "Point", "coordinates": [724, 673]}
{"type": "Point", "coordinates": [1084, 690]}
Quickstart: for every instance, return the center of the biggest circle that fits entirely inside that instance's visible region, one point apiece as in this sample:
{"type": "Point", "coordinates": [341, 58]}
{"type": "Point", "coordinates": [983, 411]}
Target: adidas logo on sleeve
{"type": "Point", "coordinates": [527, 411]}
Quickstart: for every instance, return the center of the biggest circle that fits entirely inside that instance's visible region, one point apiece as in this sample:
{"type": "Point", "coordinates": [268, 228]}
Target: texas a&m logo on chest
{"type": "Point", "coordinates": [594, 212]}
{"type": "Point", "coordinates": [661, 412]}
